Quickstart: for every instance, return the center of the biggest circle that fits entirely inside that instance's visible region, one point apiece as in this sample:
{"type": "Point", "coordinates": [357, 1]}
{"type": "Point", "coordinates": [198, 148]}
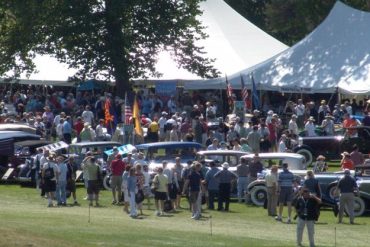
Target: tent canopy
{"type": "Point", "coordinates": [335, 55]}
{"type": "Point", "coordinates": [233, 41]}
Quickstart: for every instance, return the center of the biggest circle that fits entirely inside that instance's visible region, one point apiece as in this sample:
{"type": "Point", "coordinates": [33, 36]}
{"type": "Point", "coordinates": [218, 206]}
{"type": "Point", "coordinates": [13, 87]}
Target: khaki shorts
{"type": "Point", "coordinates": [116, 182]}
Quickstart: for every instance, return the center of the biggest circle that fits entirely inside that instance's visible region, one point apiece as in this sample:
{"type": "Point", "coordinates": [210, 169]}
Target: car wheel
{"type": "Point", "coordinates": [307, 155]}
{"type": "Point", "coordinates": [332, 192]}
{"type": "Point", "coordinates": [258, 195]}
{"type": "Point", "coordinates": [106, 182]}
{"type": "Point", "coordinates": [359, 207]}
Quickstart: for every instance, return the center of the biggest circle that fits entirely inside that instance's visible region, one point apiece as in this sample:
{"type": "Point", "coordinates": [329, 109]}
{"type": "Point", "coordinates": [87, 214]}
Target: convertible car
{"type": "Point", "coordinates": [332, 146]}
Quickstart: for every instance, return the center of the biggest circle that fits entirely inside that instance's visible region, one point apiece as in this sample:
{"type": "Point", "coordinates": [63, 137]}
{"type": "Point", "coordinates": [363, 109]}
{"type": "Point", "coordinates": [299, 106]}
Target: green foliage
{"type": "Point", "coordinates": [114, 39]}
{"type": "Point", "coordinates": [289, 20]}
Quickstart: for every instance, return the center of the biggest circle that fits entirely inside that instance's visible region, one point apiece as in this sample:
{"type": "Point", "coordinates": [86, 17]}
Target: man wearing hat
{"type": "Point", "coordinates": [49, 177]}
{"type": "Point", "coordinates": [117, 168]}
{"type": "Point", "coordinates": [293, 125]}
{"type": "Point", "coordinates": [328, 125]}
{"type": "Point", "coordinates": [162, 123]}
{"type": "Point", "coordinates": [320, 164]}
{"type": "Point", "coordinates": [347, 187]}
{"type": "Point", "coordinates": [306, 207]}
{"type": "Point", "coordinates": [310, 127]}
{"type": "Point", "coordinates": [224, 178]}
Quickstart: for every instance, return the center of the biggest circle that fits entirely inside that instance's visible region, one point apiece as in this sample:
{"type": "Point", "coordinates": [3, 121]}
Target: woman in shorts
{"type": "Point", "coordinates": [161, 193]}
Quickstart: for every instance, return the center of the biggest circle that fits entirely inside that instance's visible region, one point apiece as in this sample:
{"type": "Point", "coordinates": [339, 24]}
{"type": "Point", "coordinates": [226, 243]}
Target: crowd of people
{"type": "Point", "coordinates": [198, 117]}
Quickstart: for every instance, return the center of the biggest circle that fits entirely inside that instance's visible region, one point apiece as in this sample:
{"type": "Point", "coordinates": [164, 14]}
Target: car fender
{"type": "Point", "coordinates": [303, 147]}
{"type": "Point", "coordinates": [364, 195]}
{"type": "Point", "coordinates": [257, 182]}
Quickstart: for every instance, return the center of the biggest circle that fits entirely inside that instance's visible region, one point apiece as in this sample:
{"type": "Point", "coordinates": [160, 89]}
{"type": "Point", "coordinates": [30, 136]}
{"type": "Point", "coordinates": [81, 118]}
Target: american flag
{"type": "Point", "coordinates": [244, 91]}
{"type": "Point", "coordinates": [229, 93]}
{"type": "Point", "coordinates": [128, 111]}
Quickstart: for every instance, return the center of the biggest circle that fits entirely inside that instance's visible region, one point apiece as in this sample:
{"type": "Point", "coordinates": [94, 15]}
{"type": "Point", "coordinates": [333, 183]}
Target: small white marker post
{"type": "Point", "coordinates": [89, 213]}
{"type": "Point", "coordinates": [210, 223]}
{"type": "Point", "coordinates": [335, 236]}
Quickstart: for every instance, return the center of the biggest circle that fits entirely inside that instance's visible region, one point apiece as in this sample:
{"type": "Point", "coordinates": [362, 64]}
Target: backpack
{"type": "Point", "coordinates": [49, 172]}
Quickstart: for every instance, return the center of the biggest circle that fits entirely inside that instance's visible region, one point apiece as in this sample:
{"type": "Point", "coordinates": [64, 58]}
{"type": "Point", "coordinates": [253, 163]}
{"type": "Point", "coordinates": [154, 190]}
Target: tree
{"type": "Point", "coordinates": [103, 39]}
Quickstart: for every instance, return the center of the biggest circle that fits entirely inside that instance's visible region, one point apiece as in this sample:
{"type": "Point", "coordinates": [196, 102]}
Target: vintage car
{"type": "Point", "coordinates": [220, 156]}
{"type": "Point", "coordinates": [157, 152]}
{"type": "Point", "coordinates": [332, 146]}
{"type": "Point", "coordinates": [8, 158]}
{"type": "Point", "coordinates": [18, 127]}
{"type": "Point", "coordinates": [27, 151]}
{"type": "Point", "coordinates": [328, 183]}
{"type": "Point", "coordinates": [296, 164]}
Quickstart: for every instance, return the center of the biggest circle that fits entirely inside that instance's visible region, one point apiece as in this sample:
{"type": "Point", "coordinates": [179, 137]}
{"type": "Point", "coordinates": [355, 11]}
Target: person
{"type": "Point", "coordinates": [254, 139]}
{"type": "Point", "coordinates": [350, 125]}
{"type": "Point", "coordinates": [129, 160]}
{"type": "Point", "coordinates": [272, 188]}
{"type": "Point", "coordinates": [88, 116]}
{"type": "Point", "coordinates": [161, 193]}
{"type": "Point", "coordinates": [328, 125]}
{"type": "Point", "coordinates": [293, 126]}
{"type": "Point", "coordinates": [61, 182]}
{"type": "Point", "coordinates": [356, 156]}
{"type": "Point", "coordinates": [49, 178]}
{"type": "Point", "coordinates": [346, 162]}
{"type": "Point", "coordinates": [178, 168]}
{"type": "Point", "coordinates": [93, 184]}
{"type": "Point", "coordinates": [285, 182]}
{"type": "Point", "coordinates": [307, 207]}
{"type": "Point", "coordinates": [225, 177]}
{"type": "Point", "coordinates": [131, 189]}
{"type": "Point", "coordinates": [282, 148]}
{"type": "Point", "coordinates": [126, 197]}
{"type": "Point", "coordinates": [320, 164]}
{"type": "Point", "coordinates": [194, 183]}
{"type": "Point", "coordinates": [310, 127]}
{"type": "Point", "coordinates": [140, 181]}
{"type": "Point", "coordinates": [347, 187]}
{"type": "Point", "coordinates": [117, 167]}
{"type": "Point", "coordinates": [255, 167]}
{"type": "Point", "coordinates": [71, 178]}
{"type": "Point", "coordinates": [300, 110]}
{"type": "Point", "coordinates": [212, 184]}
{"type": "Point", "coordinates": [146, 186]}
{"type": "Point", "coordinates": [99, 131]}
{"type": "Point", "coordinates": [242, 171]}
{"type": "Point", "coordinates": [67, 130]}
{"type": "Point", "coordinates": [312, 184]}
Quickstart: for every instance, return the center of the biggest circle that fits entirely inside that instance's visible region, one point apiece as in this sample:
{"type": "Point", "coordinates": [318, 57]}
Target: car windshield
{"type": "Point", "coordinates": [220, 158]}
{"type": "Point", "coordinates": [160, 154]}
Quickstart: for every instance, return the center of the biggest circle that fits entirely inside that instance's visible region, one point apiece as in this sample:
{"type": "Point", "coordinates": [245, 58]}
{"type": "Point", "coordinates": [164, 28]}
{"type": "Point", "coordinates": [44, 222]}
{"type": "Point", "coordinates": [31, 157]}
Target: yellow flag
{"type": "Point", "coordinates": [136, 116]}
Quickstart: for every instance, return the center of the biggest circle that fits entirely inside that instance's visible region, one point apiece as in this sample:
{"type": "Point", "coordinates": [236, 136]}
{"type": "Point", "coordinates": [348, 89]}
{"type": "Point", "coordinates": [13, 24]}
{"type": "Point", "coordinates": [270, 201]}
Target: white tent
{"type": "Point", "coordinates": [335, 55]}
{"type": "Point", "coordinates": [233, 41]}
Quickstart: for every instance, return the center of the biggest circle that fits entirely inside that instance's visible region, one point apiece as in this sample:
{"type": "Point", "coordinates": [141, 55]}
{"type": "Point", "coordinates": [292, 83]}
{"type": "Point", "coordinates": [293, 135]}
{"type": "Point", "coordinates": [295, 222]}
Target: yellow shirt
{"type": "Point", "coordinates": [153, 127]}
{"type": "Point", "coordinates": [162, 182]}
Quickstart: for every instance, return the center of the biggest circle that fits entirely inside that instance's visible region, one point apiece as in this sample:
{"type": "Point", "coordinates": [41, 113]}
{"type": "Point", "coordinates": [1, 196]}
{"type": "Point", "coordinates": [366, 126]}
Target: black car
{"type": "Point", "coordinates": [332, 146]}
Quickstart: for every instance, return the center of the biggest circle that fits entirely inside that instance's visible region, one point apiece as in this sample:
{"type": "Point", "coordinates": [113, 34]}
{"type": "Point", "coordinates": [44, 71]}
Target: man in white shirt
{"type": "Point", "coordinates": [293, 126]}
{"type": "Point", "coordinates": [310, 127]}
{"type": "Point", "coordinates": [282, 145]}
{"type": "Point", "coordinates": [88, 116]}
{"type": "Point", "coordinates": [162, 122]}
{"type": "Point", "coordinates": [300, 110]}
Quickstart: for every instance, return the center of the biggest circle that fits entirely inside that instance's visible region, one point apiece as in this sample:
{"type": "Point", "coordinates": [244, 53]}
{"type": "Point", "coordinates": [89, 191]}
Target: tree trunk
{"type": "Point", "coordinates": [116, 43]}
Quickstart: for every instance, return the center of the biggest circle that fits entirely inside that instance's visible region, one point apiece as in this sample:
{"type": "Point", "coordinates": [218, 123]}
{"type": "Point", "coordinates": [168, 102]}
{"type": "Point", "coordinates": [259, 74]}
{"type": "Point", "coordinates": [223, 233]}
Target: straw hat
{"type": "Point", "coordinates": [321, 157]}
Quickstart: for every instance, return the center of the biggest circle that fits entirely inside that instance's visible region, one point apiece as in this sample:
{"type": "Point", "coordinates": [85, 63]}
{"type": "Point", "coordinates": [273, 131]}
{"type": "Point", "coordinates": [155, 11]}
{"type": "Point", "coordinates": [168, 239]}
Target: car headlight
{"type": "Point", "coordinates": [300, 141]}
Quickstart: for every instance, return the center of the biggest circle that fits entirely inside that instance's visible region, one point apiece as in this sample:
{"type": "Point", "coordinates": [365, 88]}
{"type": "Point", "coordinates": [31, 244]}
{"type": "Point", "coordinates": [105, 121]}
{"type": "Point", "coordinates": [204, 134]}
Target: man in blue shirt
{"type": "Point", "coordinates": [67, 130]}
{"type": "Point", "coordinates": [285, 181]}
{"type": "Point", "coordinates": [212, 184]}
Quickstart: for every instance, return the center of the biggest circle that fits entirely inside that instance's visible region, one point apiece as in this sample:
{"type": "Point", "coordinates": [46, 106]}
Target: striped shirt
{"type": "Point", "coordinates": [286, 178]}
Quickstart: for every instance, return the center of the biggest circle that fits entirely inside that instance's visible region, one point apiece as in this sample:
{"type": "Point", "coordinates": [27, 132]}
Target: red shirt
{"type": "Point", "coordinates": [117, 167]}
{"type": "Point", "coordinates": [347, 164]}
{"type": "Point", "coordinates": [78, 127]}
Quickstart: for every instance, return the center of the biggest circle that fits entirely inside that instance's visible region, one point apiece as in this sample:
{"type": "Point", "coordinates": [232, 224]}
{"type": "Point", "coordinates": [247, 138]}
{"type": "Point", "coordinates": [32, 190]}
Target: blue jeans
{"type": "Point", "coordinates": [242, 187]}
{"type": "Point", "coordinates": [61, 192]}
{"type": "Point", "coordinates": [212, 194]}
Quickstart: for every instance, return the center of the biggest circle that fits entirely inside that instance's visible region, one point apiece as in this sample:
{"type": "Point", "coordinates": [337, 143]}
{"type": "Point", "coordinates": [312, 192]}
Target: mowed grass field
{"type": "Point", "coordinates": [26, 221]}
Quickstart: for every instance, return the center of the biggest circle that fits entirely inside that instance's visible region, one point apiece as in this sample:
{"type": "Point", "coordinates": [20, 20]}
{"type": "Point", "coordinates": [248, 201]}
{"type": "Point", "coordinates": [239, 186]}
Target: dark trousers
{"type": "Point", "coordinates": [212, 194]}
{"type": "Point", "coordinates": [224, 196]}
{"type": "Point", "coordinates": [67, 138]}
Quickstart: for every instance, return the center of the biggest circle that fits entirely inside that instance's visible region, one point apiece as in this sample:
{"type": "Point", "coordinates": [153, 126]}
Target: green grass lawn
{"type": "Point", "coordinates": [26, 221]}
